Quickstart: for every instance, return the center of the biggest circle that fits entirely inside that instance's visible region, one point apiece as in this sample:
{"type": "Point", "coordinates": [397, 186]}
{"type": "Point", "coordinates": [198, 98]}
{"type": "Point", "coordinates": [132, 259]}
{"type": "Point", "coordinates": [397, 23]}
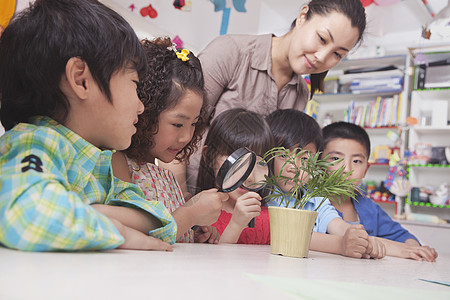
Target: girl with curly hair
{"type": "Point", "coordinates": [170, 128]}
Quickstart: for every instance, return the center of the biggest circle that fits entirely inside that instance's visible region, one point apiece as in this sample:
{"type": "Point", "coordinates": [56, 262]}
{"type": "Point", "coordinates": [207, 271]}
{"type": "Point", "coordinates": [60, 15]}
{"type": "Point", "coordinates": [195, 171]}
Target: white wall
{"type": "Point", "coordinates": [395, 28]}
{"type": "Point", "coordinates": [196, 28]}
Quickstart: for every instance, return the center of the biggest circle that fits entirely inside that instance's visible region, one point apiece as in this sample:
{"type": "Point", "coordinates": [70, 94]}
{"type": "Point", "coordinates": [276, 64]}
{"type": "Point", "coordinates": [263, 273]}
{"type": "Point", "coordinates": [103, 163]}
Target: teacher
{"type": "Point", "coordinates": [262, 73]}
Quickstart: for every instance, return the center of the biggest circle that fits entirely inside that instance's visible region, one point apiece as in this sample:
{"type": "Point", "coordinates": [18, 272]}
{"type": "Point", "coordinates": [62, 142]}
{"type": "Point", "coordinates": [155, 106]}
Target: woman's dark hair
{"type": "Point", "coordinates": [167, 80]}
{"type": "Point", "coordinates": [293, 128]}
{"type": "Point", "coordinates": [348, 131]}
{"type": "Point", "coordinates": [352, 9]}
{"type": "Point", "coordinates": [35, 48]}
{"type": "Point", "coordinates": [231, 130]}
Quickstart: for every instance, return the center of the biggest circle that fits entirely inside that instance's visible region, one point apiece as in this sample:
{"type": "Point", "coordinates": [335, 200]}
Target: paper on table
{"type": "Point", "coordinates": [312, 289]}
{"type": "Point", "coordinates": [436, 281]}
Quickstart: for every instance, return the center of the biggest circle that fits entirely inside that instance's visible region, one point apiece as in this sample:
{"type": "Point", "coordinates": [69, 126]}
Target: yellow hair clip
{"type": "Point", "coordinates": [183, 55]}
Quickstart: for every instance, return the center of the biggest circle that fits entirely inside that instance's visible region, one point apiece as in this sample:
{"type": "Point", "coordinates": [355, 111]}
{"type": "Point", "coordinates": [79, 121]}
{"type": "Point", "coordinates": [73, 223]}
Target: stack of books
{"type": "Point", "coordinates": [374, 82]}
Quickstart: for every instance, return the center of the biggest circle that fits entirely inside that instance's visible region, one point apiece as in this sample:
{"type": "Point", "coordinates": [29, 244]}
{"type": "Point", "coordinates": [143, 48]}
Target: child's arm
{"type": "Point", "coordinates": [203, 209]}
{"type": "Point", "coordinates": [338, 226]}
{"type": "Point", "coordinates": [246, 208]}
{"type": "Point", "coordinates": [38, 209]}
{"type": "Point", "coordinates": [404, 250]}
{"type": "Point", "coordinates": [335, 244]}
{"type": "Point", "coordinates": [374, 248]}
{"type": "Point", "coordinates": [353, 243]}
{"type": "Point", "coordinates": [131, 196]}
{"type": "Point", "coordinates": [136, 240]}
{"type": "Point", "coordinates": [135, 218]}
{"type": "Point", "coordinates": [412, 242]}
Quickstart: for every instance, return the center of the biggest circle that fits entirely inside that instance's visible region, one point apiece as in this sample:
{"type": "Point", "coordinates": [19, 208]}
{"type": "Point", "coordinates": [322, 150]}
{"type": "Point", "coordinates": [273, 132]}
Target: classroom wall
{"type": "Point", "coordinates": [391, 29]}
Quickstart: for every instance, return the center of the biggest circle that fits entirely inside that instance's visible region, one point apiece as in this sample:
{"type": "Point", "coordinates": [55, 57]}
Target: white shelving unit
{"type": "Point", "coordinates": [435, 132]}
{"type": "Point", "coordinates": [336, 104]}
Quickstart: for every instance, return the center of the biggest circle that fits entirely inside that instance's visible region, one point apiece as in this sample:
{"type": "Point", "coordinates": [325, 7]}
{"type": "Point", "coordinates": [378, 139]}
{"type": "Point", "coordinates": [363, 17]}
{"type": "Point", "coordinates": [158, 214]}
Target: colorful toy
{"type": "Point", "coordinates": [381, 154]}
{"type": "Point", "coordinates": [182, 5]}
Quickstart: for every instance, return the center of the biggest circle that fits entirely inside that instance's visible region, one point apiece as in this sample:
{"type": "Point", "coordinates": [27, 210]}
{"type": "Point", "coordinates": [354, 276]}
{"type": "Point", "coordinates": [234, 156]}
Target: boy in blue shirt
{"type": "Point", "coordinates": [351, 143]}
{"type": "Point", "coordinates": [68, 78]}
{"type": "Point", "coordinates": [293, 129]}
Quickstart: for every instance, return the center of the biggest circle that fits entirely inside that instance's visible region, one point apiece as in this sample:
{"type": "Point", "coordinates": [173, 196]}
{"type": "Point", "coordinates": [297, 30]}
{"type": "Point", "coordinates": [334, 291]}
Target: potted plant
{"type": "Point", "coordinates": [291, 228]}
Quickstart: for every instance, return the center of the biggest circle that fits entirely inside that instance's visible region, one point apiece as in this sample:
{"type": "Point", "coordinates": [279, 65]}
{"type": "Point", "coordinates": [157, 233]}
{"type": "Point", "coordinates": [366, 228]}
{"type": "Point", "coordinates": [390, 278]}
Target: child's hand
{"type": "Point", "coordinates": [247, 207]}
{"type": "Point", "coordinates": [208, 205]}
{"type": "Point", "coordinates": [376, 248]}
{"type": "Point", "coordinates": [420, 253]}
{"type": "Point", "coordinates": [137, 240]}
{"type": "Point", "coordinates": [205, 234]}
{"type": "Point", "coordinates": [355, 242]}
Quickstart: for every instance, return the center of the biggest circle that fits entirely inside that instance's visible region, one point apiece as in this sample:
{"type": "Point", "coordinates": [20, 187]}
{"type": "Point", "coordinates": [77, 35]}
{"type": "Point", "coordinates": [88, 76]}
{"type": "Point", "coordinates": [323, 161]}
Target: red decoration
{"type": "Point", "coordinates": [366, 2]}
{"type": "Point", "coordinates": [149, 11]}
{"type": "Point", "coordinates": [385, 2]}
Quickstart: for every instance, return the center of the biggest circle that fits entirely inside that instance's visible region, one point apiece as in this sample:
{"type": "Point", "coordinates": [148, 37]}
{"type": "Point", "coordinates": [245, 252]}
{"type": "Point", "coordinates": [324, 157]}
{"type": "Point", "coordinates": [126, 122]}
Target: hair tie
{"type": "Point", "coordinates": [183, 55]}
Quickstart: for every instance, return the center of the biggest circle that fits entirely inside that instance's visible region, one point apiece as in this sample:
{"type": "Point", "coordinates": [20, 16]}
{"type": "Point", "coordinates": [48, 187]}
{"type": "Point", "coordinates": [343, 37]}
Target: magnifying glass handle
{"type": "Point", "coordinates": [251, 224]}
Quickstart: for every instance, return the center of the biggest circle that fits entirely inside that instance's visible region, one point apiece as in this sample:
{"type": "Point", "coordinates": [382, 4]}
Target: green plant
{"type": "Point", "coordinates": [311, 178]}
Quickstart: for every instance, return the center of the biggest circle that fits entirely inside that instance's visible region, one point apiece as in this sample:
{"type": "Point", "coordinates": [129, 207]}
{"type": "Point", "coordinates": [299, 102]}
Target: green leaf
{"type": "Point", "coordinates": [322, 182]}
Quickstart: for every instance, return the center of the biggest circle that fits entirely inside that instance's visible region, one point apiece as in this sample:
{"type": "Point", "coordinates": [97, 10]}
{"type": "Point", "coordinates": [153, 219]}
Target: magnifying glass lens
{"type": "Point", "coordinates": [237, 171]}
{"type": "Point", "coordinates": [255, 181]}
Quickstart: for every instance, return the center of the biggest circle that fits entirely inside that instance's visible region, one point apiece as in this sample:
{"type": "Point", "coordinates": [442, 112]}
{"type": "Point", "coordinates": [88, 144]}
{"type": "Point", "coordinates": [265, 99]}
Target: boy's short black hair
{"type": "Point", "coordinates": [294, 128]}
{"type": "Point", "coordinates": [349, 131]}
{"type": "Point", "coordinates": [35, 48]}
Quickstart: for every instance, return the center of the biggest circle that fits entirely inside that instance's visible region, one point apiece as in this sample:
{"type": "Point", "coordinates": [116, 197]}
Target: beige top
{"type": "Point", "coordinates": [238, 73]}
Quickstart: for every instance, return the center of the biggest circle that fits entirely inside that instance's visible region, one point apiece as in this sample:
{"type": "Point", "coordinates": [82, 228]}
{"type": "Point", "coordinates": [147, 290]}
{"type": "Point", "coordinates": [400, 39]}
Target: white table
{"type": "Point", "coordinates": [203, 271]}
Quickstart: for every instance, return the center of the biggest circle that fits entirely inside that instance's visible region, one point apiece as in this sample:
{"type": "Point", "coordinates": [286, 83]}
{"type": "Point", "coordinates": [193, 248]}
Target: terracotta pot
{"type": "Point", "coordinates": [290, 231]}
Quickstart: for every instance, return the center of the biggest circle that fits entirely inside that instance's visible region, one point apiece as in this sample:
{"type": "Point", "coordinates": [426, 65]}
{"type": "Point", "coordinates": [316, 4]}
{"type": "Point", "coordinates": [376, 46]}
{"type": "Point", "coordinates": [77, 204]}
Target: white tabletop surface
{"type": "Point", "coordinates": [203, 271]}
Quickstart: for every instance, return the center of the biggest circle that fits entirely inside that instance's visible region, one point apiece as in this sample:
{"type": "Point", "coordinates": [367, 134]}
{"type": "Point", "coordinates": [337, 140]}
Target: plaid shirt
{"type": "Point", "coordinates": [49, 178]}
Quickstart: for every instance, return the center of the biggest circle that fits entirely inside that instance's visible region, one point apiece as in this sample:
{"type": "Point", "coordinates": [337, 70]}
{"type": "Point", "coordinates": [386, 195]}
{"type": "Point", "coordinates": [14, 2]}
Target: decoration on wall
{"type": "Point", "coordinates": [132, 7]}
{"type": "Point", "coordinates": [7, 9]}
{"type": "Point", "coordinates": [184, 5]}
{"type": "Point", "coordinates": [366, 2]}
{"type": "Point", "coordinates": [149, 11]}
{"type": "Point", "coordinates": [385, 2]}
{"type": "Point", "coordinates": [225, 7]}
{"type": "Point", "coordinates": [178, 41]}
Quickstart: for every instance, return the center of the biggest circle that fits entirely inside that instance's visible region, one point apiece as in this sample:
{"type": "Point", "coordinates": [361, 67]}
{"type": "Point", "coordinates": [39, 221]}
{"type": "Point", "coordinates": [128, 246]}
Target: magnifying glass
{"type": "Point", "coordinates": [242, 168]}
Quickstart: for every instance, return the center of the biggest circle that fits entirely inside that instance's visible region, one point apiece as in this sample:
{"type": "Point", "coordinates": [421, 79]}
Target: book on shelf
{"type": "Point", "coordinates": [382, 112]}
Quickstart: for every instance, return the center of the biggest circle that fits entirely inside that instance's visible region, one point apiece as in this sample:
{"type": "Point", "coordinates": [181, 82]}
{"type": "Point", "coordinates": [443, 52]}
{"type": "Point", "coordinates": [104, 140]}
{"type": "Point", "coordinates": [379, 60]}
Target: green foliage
{"type": "Point", "coordinates": [310, 174]}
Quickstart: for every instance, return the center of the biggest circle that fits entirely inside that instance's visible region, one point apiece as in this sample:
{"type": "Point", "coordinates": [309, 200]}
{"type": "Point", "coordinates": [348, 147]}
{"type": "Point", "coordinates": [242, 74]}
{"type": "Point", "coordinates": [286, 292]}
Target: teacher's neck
{"type": "Point", "coordinates": [281, 68]}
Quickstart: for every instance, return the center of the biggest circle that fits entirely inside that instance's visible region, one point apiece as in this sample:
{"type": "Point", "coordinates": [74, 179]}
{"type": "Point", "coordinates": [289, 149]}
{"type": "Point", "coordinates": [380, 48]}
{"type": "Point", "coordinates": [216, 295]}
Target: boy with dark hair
{"type": "Point", "coordinates": [68, 78]}
{"type": "Point", "coordinates": [351, 143]}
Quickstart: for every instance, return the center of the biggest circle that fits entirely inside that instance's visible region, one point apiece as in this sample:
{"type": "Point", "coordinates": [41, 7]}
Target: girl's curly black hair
{"type": "Point", "coordinates": [165, 82]}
